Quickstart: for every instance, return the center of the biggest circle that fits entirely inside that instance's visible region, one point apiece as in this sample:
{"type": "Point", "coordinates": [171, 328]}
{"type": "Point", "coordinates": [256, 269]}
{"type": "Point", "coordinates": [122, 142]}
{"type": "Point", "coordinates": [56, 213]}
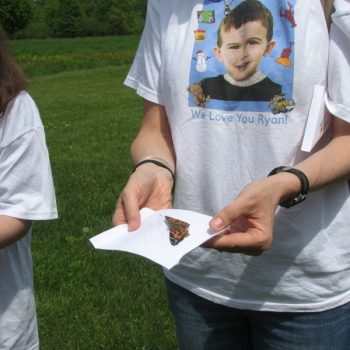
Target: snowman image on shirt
{"type": "Point", "coordinates": [201, 60]}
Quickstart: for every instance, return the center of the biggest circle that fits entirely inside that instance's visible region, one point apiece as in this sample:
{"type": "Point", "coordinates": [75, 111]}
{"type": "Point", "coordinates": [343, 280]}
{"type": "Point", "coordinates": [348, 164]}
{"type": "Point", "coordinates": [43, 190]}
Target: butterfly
{"type": "Point", "coordinates": [178, 230]}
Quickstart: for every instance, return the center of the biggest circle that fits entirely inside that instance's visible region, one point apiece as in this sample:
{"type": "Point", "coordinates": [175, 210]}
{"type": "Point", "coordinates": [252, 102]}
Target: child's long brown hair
{"type": "Point", "coordinates": [12, 79]}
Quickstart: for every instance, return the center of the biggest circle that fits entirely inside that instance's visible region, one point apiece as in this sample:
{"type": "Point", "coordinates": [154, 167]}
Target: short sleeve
{"type": "Point", "coordinates": [337, 101]}
{"type": "Point", "coordinates": [26, 185]}
{"type": "Point", "coordinates": [144, 75]}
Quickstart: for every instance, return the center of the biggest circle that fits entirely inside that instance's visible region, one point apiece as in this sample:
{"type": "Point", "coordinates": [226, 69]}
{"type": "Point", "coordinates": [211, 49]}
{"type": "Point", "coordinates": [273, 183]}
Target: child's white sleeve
{"type": "Point", "coordinates": [337, 101]}
{"type": "Point", "coordinates": [26, 185]}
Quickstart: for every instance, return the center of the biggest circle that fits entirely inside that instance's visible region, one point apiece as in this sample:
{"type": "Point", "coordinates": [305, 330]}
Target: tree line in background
{"type": "Point", "coordinates": [23, 19]}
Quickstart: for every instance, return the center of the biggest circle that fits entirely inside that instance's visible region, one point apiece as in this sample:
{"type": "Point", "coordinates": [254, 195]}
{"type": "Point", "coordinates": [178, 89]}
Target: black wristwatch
{"type": "Point", "coordinates": [303, 181]}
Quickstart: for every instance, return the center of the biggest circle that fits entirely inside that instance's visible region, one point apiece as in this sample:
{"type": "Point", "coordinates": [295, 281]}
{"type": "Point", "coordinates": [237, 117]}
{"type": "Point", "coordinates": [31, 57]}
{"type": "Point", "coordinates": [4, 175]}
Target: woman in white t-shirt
{"type": "Point", "coordinates": [278, 277]}
{"type": "Point", "coordinates": [26, 194]}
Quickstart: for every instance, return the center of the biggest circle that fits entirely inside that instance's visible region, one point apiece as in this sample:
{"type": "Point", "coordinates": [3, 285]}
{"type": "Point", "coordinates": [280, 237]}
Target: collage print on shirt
{"type": "Point", "coordinates": [243, 57]}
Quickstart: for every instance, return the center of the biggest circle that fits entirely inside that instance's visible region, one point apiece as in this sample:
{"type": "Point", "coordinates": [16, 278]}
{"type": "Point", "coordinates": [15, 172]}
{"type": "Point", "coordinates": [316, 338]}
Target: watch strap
{"type": "Point", "coordinates": [301, 196]}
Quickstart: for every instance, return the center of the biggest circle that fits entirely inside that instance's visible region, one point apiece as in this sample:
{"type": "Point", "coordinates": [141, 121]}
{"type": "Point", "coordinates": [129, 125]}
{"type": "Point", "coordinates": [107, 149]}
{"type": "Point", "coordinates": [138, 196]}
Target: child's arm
{"type": "Point", "coordinates": [12, 229]}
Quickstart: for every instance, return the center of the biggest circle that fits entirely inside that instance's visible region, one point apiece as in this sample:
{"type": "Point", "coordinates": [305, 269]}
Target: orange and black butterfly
{"type": "Point", "coordinates": [178, 230]}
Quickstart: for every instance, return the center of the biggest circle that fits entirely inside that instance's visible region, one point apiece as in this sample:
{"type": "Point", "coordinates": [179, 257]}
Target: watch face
{"type": "Point", "coordinates": [291, 202]}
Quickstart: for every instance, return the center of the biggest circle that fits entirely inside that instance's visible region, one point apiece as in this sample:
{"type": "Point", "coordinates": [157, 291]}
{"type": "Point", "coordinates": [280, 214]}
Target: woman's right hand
{"type": "Point", "coordinates": [149, 186]}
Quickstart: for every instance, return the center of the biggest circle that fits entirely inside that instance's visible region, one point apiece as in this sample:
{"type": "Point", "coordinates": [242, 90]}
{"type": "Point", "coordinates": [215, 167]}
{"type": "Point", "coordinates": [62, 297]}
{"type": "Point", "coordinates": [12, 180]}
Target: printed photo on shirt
{"type": "Point", "coordinates": [241, 61]}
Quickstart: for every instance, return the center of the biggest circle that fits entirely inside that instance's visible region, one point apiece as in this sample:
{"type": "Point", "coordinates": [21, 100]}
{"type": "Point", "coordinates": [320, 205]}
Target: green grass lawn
{"type": "Point", "coordinates": [89, 299]}
{"type": "Point", "coordinates": [39, 57]}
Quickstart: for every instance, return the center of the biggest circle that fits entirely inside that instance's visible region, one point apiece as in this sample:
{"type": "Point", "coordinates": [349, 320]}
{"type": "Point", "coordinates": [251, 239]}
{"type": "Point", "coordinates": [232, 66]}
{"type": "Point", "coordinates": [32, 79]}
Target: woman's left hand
{"type": "Point", "coordinates": [247, 223]}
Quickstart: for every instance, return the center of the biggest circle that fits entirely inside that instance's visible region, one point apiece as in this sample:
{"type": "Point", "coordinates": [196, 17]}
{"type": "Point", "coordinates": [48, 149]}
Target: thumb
{"type": "Point", "coordinates": [127, 211]}
{"type": "Point", "coordinates": [224, 218]}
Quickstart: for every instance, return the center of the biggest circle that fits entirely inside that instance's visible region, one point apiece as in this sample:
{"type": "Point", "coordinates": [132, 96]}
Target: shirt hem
{"type": "Point", "coordinates": [29, 215]}
{"type": "Point", "coordinates": [142, 90]}
{"type": "Point", "coordinates": [261, 306]}
{"type": "Point", "coordinates": [338, 110]}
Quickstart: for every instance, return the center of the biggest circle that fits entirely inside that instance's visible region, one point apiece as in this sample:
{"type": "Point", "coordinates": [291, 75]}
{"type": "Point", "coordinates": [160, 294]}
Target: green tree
{"type": "Point", "coordinates": [15, 15]}
{"type": "Point", "coordinates": [63, 17]}
{"type": "Point", "coordinates": [91, 23]}
{"type": "Point", "coordinates": [126, 17]}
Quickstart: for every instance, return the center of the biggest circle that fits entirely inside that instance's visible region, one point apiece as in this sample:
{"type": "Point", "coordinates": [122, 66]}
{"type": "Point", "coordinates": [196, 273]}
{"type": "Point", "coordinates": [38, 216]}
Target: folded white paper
{"type": "Point", "coordinates": [318, 119]}
{"type": "Point", "coordinates": [153, 239]}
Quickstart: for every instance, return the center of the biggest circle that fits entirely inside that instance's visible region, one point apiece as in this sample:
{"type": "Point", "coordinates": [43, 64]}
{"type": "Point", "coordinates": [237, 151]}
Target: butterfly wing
{"type": "Point", "coordinates": [178, 230]}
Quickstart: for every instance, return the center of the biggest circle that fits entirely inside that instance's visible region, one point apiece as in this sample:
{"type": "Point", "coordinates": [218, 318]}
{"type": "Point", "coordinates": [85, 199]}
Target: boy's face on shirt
{"type": "Point", "coordinates": [243, 48]}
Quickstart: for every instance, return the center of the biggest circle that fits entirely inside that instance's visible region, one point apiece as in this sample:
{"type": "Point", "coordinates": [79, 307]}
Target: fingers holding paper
{"type": "Point", "coordinates": [149, 186]}
{"type": "Point", "coordinates": [246, 225]}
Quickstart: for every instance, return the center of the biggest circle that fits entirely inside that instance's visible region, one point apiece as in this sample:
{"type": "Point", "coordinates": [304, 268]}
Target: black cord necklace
{"type": "Point", "coordinates": [227, 8]}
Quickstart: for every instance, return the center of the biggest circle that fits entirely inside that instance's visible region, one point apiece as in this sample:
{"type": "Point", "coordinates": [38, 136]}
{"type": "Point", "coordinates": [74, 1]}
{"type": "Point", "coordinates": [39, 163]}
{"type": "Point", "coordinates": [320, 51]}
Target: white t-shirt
{"type": "Point", "coordinates": [26, 192]}
{"type": "Point", "coordinates": [223, 145]}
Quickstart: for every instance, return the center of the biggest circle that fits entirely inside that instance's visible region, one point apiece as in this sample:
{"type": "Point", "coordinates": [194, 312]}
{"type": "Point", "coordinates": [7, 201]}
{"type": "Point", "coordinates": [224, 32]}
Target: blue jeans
{"type": "Point", "coordinates": [204, 325]}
